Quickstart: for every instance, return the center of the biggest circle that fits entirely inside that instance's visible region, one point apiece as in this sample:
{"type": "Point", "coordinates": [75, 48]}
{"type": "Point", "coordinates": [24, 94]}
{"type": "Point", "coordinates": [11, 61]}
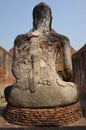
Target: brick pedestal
{"type": "Point", "coordinates": [57, 116]}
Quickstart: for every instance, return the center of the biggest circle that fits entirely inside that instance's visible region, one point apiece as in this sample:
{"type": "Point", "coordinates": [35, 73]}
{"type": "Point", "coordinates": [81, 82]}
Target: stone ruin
{"type": "Point", "coordinates": [39, 93]}
{"type": "Point", "coordinates": [6, 77]}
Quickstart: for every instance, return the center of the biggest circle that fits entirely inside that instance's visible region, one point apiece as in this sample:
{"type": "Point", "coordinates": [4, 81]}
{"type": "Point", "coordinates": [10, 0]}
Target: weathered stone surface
{"type": "Point", "coordinates": [37, 83]}
{"type": "Point", "coordinates": [59, 66]}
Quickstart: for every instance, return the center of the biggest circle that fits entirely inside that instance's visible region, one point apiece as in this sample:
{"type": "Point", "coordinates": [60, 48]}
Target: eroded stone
{"type": "Point", "coordinates": [37, 83]}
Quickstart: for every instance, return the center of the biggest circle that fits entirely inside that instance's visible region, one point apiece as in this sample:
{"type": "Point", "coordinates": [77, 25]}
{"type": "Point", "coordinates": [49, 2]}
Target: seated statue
{"type": "Point", "coordinates": [37, 83]}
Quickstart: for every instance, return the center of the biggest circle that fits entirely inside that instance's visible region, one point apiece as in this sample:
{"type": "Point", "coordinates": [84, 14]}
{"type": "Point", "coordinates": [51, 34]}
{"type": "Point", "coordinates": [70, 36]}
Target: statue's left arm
{"type": "Point", "coordinates": [65, 51]}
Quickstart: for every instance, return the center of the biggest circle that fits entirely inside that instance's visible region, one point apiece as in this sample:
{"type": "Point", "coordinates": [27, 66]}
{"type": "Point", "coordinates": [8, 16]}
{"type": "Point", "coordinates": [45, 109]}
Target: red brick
{"type": "Point", "coordinates": [58, 116]}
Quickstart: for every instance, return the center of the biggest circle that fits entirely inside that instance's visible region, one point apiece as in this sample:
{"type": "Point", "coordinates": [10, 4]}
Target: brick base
{"type": "Point", "coordinates": [58, 116]}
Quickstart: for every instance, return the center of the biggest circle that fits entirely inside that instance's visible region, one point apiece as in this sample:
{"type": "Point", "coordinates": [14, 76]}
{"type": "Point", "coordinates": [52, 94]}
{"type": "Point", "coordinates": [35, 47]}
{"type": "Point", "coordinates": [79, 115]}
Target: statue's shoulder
{"type": "Point", "coordinates": [23, 37]}
{"type": "Point", "coordinates": [60, 36]}
{"type": "Point", "coordinates": [20, 38]}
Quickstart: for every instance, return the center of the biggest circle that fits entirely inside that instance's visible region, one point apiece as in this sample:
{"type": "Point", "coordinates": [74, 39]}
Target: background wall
{"type": "Point", "coordinates": [79, 69]}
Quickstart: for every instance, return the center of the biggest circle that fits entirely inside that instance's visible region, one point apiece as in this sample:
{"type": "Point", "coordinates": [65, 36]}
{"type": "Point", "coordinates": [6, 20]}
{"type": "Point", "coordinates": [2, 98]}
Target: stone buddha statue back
{"type": "Point", "coordinates": [37, 83]}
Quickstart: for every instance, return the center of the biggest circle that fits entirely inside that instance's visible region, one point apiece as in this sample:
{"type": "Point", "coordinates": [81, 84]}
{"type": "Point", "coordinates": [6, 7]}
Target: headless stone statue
{"type": "Point", "coordinates": [37, 83]}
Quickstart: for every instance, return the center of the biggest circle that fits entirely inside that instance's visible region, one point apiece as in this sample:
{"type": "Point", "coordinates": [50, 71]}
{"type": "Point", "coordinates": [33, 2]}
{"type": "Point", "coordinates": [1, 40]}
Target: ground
{"type": "Point", "coordinates": [80, 125]}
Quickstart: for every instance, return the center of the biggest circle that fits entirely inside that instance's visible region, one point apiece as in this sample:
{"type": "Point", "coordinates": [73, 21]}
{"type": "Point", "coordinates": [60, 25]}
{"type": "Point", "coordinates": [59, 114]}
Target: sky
{"type": "Point", "coordinates": [69, 19]}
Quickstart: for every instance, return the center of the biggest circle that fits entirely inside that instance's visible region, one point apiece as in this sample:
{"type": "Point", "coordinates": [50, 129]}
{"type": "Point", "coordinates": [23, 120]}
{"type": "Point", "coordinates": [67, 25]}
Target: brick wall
{"type": "Point", "coordinates": [57, 116]}
{"type": "Point", "coordinates": [6, 77]}
{"type": "Point", "coordinates": [79, 69]}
